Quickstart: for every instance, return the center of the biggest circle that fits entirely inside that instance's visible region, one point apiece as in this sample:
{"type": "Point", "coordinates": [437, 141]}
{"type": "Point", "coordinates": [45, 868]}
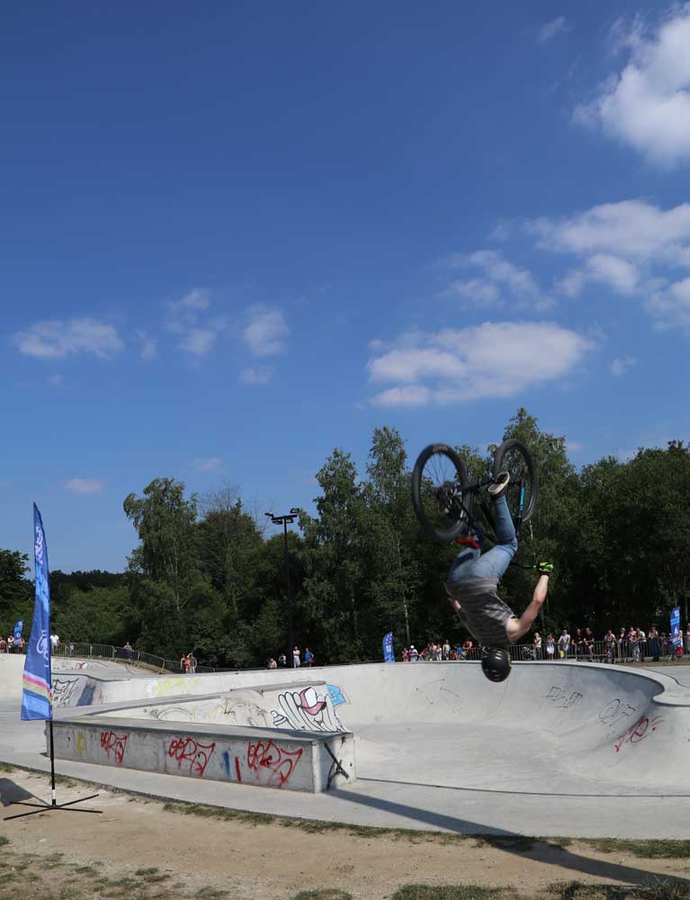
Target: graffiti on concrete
{"type": "Point", "coordinates": [561, 698]}
{"type": "Point", "coordinates": [241, 712]}
{"type": "Point", "coordinates": [615, 712]}
{"type": "Point", "coordinates": [642, 729]}
{"type": "Point", "coordinates": [335, 694]}
{"type": "Point", "coordinates": [114, 744]}
{"type": "Point", "coordinates": [86, 698]}
{"type": "Point", "coordinates": [64, 691]}
{"type": "Point", "coordinates": [306, 710]}
{"type": "Point", "coordinates": [80, 744]}
{"type": "Point", "coordinates": [190, 751]}
{"type": "Point", "coordinates": [271, 765]}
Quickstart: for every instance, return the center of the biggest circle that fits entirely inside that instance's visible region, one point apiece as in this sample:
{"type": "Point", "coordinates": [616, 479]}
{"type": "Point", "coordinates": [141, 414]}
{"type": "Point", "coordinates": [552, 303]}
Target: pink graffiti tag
{"type": "Point", "coordinates": [638, 732]}
{"type": "Point", "coordinates": [186, 749]}
{"type": "Point", "coordinates": [111, 743]}
{"type": "Point", "coordinates": [280, 763]}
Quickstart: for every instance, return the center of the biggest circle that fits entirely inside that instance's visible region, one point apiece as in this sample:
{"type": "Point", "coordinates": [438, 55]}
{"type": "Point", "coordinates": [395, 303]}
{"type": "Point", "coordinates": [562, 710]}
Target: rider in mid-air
{"type": "Point", "coordinates": [472, 583]}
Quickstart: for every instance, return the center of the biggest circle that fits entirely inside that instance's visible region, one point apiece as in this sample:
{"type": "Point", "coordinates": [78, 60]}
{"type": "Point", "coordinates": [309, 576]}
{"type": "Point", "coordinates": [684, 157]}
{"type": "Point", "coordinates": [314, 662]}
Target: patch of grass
{"type": "Point", "coordinates": [647, 849]}
{"type": "Point", "coordinates": [4, 841]}
{"type": "Point", "coordinates": [323, 894]}
{"type": "Point", "coordinates": [64, 781]}
{"type": "Point", "coordinates": [209, 893]}
{"type": "Point", "coordinates": [5, 767]}
{"type": "Point", "coordinates": [85, 870]}
{"type": "Point", "coordinates": [661, 889]}
{"type": "Point", "coordinates": [518, 843]}
{"type": "Point", "coordinates": [448, 892]}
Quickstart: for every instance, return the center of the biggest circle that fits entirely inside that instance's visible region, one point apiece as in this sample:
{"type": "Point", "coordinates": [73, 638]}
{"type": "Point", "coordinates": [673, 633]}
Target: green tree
{"type": "Point", "coordinates": [15, 591]}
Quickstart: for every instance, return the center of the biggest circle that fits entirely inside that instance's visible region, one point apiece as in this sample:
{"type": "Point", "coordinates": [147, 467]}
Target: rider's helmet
{"type": "Point", "coordinates": [496, 663]}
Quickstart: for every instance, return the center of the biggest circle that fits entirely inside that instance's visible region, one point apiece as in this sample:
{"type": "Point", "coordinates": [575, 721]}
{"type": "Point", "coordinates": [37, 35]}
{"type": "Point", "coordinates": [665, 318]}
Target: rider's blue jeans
{"type": "Point", "coordinates": [494, 562]}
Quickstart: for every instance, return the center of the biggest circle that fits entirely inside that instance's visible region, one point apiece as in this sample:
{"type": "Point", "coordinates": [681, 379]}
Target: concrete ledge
{"type": "Point", "coordinates": [266, 757]}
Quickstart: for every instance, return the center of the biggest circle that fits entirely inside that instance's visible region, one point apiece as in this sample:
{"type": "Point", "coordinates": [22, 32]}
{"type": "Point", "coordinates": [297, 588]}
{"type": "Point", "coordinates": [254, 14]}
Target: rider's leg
{"type": "Point", "coordinates": [494, 562]}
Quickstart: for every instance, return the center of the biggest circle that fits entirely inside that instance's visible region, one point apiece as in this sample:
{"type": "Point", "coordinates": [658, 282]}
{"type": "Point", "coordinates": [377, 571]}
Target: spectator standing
{"type": "Point", "coordinates": [3, 645]}
{"type": "Point", "coordinates": [588, 643]}
{"type": "Point", "coordinates": [610, 645]}
{"type": "Point", "coordinates": [19, 644]}
{"type": "Point", "coordinates": [10, 643]}
{"type": "Point", "coordinates": [282, 661]}
{"type": "Point", "coordinates": [129, 651]}
{"type": "Point", "coordinates": [563, 644]}
{"type": "Point", "coordinates": [687, 639]}
{"type": "Point", "coordinates": [54, 642]}
{"type": "Point", "coordinates": [622, 645]}
{"type": "Point", "coordinates": [538, 652]}
{"type": "Point", "coordinates": [550, 646]}
{"type": "Point", "coordinates": [70, 649]}
{"type": "Point", "coordinates": [577, 644]}
{"type": "Point", "coordinates": [653, 643]}
{"type": "Point", "coordinates": [296, 658]}
{"type": "Point", "coordinates": [414, 654]}
{"type": "Point", "coordinates": [641, 642]}
{"type": "Point", "coordinates": [183, 663]}
{"type": "Point", "coordinates": [446, 649]}
{"type": "Point", "coordinates": [633, 647]}
{"type": "Point", "coordinates": [308, 657]}
{"type": "Point", "coordinates": [192, 663]}
{"type": "Point", "coordinates": [405, 655]}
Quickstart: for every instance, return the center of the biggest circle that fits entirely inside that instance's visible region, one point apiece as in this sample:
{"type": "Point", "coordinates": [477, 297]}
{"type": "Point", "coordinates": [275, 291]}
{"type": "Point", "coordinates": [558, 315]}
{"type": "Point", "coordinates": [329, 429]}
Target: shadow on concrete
{"type": "Point", "coordinates": [545, 850]}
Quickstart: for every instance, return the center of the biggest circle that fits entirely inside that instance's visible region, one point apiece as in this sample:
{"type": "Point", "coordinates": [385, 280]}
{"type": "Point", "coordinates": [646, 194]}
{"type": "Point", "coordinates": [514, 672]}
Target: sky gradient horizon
{"type": "Point", "coordinates": [237, 238]}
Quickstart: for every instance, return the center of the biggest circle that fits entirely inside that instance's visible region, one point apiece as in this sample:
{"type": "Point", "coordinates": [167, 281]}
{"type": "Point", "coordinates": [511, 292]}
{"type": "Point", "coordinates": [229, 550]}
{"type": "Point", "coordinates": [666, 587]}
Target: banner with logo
{"type": "Point", "coordinates": [18, 628]}
{"type": "Point", "coordinates": [36, 683]}
{"type": "Point", "coordinates": [388, 654]}
{"type": "Point", "coordinates": [675, 627]}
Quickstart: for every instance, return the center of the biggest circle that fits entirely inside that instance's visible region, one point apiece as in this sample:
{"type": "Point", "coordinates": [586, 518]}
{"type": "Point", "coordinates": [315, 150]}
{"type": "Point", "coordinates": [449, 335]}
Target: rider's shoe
{"type": "Point", "coordinates": [498, 488]}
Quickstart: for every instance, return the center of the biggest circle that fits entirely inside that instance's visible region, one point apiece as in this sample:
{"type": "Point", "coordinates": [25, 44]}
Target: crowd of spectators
{"type": "Point", "coordinates": [628, 644]}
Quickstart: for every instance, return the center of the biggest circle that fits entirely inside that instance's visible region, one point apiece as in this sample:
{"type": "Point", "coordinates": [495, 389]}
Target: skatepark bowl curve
{"type": "Point", "coordinates": [558, 749]}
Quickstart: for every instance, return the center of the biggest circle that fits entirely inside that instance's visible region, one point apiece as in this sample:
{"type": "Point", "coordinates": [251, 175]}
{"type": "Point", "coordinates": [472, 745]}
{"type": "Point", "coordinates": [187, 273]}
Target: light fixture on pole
{"type": "Point", "coordinates": [286, 520]}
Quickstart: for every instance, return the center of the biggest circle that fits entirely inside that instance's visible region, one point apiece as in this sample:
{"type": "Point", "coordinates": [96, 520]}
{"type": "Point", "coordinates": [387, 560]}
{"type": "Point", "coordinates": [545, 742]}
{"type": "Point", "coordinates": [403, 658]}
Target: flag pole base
{"type": "Point", "coordinates": [49, 807]}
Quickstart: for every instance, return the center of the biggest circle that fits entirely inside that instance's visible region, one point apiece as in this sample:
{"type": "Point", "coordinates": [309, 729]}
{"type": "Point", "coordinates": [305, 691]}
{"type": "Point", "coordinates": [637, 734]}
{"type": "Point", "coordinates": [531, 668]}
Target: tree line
{"type": "Point", "coordinates": [204, 576]}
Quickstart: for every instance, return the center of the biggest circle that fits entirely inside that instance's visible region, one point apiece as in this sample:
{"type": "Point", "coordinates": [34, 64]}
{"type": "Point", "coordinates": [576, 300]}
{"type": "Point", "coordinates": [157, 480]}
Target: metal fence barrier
{"type": "Point", "coordinates": [600, 651]}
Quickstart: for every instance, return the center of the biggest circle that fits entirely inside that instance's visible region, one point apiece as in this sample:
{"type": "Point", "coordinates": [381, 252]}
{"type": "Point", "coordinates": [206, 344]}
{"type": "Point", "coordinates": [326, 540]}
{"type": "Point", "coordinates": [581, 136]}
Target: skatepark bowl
{"type": "Point", "coordinates": [557, 749]}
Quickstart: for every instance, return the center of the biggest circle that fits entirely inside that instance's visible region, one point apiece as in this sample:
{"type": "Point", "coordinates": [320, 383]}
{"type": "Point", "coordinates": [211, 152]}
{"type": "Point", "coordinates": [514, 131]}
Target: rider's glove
{"type": "Point", "coordinates": [545, 568]}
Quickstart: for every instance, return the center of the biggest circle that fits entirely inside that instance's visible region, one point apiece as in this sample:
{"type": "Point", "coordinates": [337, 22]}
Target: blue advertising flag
{"type": "Point", "coordinates": [675, 626]}
{"type": "Point", "coordinates": [18, 628]}
{"type": "Point", "coordinates": [388, 654]}
{"type": "Point", "coordinates": [37, 693]}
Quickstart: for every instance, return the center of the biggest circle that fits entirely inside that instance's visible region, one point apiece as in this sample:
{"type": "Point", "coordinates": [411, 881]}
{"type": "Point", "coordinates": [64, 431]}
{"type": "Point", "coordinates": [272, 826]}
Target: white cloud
{"type": "Point", "coordinates": [498, 275]}
{"type": "Point", "coordinates": [495, 359]}
{"type": "Point", "coordinates": [188, 318]}
{"type": "Point", "coordinates": [616, 273]}
{"type": "Point", "coordinates": [149, 346]}
{"type": "Point", "coordinates": [647, 104]}
{"type": "Point", "coordinates": [55, 339]}
{"type": "Point", "coordinates": [622, 364]}
{"type": "Point", "coordinates": [670, 306]}
{"type": "Point", "coordinates": [84, 485]}
{"type": "Point", "coordinates": [208, 464]}
{"type": "Point", "coordinates": [198, 341]}
{"type": "Point", "coordinates": [256, 376]}
{"type": "Point", "coordinates": [630, 229]}
{"type": "Point", "coordinates": [265, 332]}
{"type": "Point", "coordinates": [552, 29]}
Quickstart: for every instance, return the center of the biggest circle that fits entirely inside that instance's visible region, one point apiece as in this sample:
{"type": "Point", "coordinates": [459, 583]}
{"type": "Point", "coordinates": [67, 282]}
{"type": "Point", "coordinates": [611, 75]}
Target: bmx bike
{"type": "Point", "coordinates": [449, 504]}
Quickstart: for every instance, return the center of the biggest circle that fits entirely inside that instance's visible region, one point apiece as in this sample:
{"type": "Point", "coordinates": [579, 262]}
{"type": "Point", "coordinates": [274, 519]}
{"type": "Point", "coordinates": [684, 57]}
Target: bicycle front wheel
{"type": "Point", "coordinates": [438, 479]}
{"type": "Point", "coordinates": [514, 457]}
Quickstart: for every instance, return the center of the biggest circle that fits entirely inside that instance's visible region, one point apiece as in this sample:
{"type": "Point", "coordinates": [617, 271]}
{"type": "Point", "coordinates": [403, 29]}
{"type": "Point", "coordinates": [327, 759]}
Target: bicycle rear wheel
{"type": "Point", "coordinates": [514, 457]}
{"type": "Point", "coordinates": [438, 479]}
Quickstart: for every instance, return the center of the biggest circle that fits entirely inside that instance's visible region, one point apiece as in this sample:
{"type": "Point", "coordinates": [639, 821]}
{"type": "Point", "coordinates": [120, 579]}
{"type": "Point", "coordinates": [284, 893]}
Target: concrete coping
{"type": "Point", "coordinates": [226, 731]}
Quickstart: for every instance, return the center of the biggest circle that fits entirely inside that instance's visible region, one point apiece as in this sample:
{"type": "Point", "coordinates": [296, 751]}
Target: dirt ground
{"type": "Point", "coordinates": [254, 861]}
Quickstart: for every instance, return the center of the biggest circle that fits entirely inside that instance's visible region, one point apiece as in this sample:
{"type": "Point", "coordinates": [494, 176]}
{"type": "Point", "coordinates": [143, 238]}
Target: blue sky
{"type": "Point", "coordinates": [237, 236]}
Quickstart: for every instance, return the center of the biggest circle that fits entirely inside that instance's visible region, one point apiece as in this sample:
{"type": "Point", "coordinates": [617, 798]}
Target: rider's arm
{"type": "Point", "coordinates": [516, 628]}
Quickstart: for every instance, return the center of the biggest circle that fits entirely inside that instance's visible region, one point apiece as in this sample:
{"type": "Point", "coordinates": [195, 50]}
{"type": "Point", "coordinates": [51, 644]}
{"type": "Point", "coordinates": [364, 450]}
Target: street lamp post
{"type": "Point", "coordinates": [286, 520]}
